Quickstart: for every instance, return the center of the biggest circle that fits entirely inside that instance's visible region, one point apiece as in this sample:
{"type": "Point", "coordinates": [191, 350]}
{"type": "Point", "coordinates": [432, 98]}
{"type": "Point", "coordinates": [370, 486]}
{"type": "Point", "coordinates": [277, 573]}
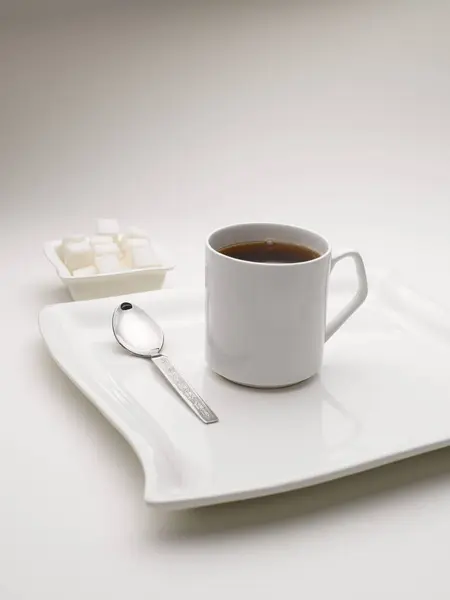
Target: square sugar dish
{"type": "Point", "coordinates": [108, 262]}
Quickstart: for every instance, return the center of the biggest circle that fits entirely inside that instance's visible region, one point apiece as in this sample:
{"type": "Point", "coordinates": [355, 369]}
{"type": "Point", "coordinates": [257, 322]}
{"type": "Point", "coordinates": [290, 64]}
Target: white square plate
{"type": "Point", "coordinates": [383, 395]}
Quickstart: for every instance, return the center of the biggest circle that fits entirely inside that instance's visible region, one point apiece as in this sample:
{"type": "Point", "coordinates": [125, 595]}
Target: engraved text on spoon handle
{"type": "Point", "coordinates": [184, 390]}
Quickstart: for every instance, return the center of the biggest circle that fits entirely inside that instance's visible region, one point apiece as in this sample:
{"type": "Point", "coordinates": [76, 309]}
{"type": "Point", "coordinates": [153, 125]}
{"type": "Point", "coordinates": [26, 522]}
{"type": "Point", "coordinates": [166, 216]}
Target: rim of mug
{"type": "Point", "coordinates": [268, 223]}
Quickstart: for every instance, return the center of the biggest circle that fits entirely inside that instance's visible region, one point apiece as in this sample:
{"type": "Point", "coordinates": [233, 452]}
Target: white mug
{"type": "Point", "coordinates": [266, 322]}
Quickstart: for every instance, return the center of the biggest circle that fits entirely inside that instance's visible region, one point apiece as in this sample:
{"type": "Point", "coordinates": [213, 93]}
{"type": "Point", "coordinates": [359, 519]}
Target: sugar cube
{"type": "Point", "coordinates": [143, 256]}
{"type": "Point", "coordinates": [101, 239]}
{"type": "Point", "coordinates": [132, 233]}
{"type": "Point", "coordinates": [111, 248]}
{"type": "Point", "coordinates": [125, 242]}
{"type": "Point", "coordinates": [78, 255]}
{"type": "Point", "coordinates": [74, 237]}
{"type": "Point", "coordinates": [127, 247]}
{"type": "Point", "coordinates": [136, 232]}
{"type": "Point", "coordinates": [69, 239]}
{"type": "Point", "coordinates": [108, 263]}
{"type": "Point", "coordinates": [85, 272]}
{"type": "Point", "coordinates": [128, 242]}
{"type": "Point", "coordinates": [108, 227]}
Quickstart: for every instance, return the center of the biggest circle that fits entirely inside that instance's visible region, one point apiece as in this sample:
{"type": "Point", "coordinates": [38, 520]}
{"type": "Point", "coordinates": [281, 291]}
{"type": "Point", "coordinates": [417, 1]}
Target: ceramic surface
{"type": "Point", "coordinates": [383, 394]}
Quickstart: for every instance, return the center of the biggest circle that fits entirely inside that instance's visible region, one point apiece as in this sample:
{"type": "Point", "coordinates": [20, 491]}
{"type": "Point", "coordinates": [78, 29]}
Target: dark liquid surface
{"type": "Point", "coordinates": [270, 252]}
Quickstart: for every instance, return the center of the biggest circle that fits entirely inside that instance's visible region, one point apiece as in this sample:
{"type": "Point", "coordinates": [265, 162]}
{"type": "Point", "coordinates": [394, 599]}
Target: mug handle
{"type": "Point", "coordinates": [358, 298]}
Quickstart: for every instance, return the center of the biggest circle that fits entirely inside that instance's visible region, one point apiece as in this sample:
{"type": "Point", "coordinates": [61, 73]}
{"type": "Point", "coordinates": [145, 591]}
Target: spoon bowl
{"type": "Point", "coordinates": [136, 331]}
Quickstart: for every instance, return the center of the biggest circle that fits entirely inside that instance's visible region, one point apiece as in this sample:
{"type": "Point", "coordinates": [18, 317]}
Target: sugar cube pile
{"type": "Point", "coordinates": [109, 250]}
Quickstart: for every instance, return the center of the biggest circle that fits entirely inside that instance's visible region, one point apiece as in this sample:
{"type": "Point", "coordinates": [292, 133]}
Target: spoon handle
{"type": "Point", "coordinates": [184, 390]}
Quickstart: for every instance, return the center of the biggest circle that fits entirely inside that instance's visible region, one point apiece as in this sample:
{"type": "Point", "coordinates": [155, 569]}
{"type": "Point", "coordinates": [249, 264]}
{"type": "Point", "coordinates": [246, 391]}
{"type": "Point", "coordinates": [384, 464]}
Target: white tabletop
{"type": "Point", "coordinates": [332, 115]}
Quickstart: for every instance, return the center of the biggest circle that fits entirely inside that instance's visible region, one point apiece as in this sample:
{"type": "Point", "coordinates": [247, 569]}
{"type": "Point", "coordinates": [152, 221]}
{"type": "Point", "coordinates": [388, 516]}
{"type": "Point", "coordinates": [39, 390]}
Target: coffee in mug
{"type": "Point", "coordinates": [270, 251]}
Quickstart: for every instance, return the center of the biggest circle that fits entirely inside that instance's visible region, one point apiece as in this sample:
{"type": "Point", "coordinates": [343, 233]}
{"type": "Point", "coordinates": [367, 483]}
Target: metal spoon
{"type": "Point", "coordinates": [138, 333]}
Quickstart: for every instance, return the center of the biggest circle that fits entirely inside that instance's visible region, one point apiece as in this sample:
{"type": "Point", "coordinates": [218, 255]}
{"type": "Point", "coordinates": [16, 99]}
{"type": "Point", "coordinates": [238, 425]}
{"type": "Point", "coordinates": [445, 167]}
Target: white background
{"type": "Point", "coordinates": [181, 117]}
